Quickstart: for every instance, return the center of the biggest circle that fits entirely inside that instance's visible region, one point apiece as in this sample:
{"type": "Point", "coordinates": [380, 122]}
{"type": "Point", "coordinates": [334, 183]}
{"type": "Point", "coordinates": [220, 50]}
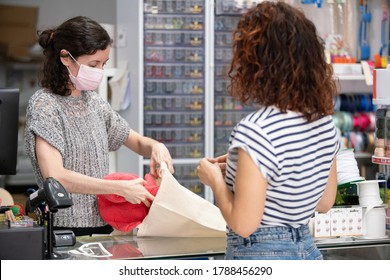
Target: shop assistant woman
{"type": "Point", "coordinates": [70, 129]}
{"type": "Point", "coordinates": [280, 165]}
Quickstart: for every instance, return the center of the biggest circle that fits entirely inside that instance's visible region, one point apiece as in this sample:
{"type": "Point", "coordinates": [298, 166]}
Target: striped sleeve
{"type": "Point", "coordinates": [253, 140]}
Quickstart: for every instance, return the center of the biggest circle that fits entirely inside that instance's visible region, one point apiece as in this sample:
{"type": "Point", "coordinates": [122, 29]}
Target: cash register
{"type": "Point", "coordinates": [25, 239]}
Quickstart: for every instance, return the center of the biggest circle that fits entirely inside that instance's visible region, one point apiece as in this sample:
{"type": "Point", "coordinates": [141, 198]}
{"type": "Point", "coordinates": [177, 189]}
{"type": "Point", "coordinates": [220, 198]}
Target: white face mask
{"type": "Point", "coordinates": [88, 78]}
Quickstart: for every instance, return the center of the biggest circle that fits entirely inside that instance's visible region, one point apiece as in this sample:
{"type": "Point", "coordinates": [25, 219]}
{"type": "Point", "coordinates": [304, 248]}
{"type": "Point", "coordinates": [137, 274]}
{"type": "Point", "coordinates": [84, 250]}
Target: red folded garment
{"type": "Point", "coordinates": [117, 211]}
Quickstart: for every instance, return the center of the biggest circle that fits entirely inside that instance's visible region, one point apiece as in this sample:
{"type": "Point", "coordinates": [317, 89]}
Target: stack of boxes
{"type": "Point", "coordinates": [18, 31]}
{"type": "Point", "coordinates": [339, 222]}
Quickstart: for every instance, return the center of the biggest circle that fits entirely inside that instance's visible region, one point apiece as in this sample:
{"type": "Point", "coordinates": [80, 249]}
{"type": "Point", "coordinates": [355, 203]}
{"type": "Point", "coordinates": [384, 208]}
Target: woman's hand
{"type": "Point", "coordinates": [135, 192]}
{"type": "Point", "coordinates": [210, 172]}
{"type": "Point", "coordinates": [221, 160]}
{"type": "Point", "coordinates": [159, 155]}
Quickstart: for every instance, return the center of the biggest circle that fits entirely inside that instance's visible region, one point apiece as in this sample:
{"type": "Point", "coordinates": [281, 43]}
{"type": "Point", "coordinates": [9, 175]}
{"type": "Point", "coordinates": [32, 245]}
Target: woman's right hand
{"type": "Point", "coordinates": [221, 160]}
{"type": "Point", "coordinates": [135, 192]}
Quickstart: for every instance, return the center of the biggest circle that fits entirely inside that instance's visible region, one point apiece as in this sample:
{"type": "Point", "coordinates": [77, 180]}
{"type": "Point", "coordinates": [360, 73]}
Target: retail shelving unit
{"type": "Point", "coordinates": [186, 51]}
{"type": "Point", "coordinates": [175, 108]}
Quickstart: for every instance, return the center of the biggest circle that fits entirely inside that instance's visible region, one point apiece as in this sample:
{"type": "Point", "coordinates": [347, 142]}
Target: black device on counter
{"type": "Point", "coordinates": [28, 243]}
{"type": "Point", "coordinates": [63, 238]}
{"type": "Point", "coordinates": [53, 194]}
{"type": "Point", "coordinates": [22, 243]}
{"type": "Point", "coordinates": [4, 209]}
{"type": "Point", "coordinates": [54, 197]}
{"type": "Point", "coordinates": [9, 126]}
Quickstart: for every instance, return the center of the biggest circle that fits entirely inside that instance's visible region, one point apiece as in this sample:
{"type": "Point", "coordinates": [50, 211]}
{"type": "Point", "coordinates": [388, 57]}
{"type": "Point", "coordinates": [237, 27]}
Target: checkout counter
{"type": "Point", "coordinates": [28, 243]}
{"type": "Point", "coordinates": [132, 247]}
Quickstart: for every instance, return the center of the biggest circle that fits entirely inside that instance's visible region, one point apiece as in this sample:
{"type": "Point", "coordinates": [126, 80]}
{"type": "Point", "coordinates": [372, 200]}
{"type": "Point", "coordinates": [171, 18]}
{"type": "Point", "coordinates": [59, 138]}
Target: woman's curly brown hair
{"type": "Point", "coordinates": [279, 59]}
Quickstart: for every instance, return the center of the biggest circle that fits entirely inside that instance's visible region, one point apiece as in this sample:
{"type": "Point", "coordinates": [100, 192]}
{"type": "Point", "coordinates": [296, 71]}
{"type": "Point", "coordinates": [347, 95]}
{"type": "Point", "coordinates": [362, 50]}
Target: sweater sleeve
{"type": "Point", "coordinates": [43, 120]}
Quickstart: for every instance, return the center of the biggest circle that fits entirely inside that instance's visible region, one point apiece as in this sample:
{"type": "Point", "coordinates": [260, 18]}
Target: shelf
{"type": "Point", "coordinates": [24, 66]}
{"type": "Point", "coordinates": [381, 160]}
{"type": "Point", "coordinates": [352, 77]}
{"type": "Point", "coordinates": [362, 155]}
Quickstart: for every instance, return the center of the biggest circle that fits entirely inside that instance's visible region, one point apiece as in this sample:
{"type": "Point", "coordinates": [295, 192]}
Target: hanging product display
{"type": "Point", "coordinates": [380, 58]}
{"type": "Point", "coordinates": [381, 98]}
{"type": "Point", "coordinates": [365, 15]}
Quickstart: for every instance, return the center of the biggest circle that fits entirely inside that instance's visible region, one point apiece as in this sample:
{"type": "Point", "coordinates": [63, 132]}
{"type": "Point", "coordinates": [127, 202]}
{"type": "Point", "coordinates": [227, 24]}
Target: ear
{"type": "Point", "coordinates": [65, 58]}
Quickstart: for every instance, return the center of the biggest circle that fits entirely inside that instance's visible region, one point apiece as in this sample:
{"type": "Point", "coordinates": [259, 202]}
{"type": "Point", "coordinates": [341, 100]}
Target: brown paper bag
{"type": "Point", "coordinates": [178, 212]}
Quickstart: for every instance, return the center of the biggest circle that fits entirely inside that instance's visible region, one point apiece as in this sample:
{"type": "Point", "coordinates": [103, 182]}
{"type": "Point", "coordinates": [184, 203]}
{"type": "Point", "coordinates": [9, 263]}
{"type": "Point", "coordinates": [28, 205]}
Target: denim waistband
{"type": "Point", "coordinates": [270, 233]}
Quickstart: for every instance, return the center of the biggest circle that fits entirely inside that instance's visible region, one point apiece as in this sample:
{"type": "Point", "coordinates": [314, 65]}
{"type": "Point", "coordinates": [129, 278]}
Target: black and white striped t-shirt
{"type": "Point", "coordinates": [293, 155]}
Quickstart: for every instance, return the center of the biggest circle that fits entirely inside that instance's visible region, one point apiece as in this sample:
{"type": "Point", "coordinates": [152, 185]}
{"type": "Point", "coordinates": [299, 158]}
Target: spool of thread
{"type": "Point", "coordinates": [352, 102]}
{"type": "Point", "coordinates": [352, 139]}
{"type": "Point", "coordinates": [363, 104]}
{"type": "Point", "coordinates": [380, 142]}
{"type": "Point", "coordinates": [371, 142]}
{"type": "Point", "coordinates": [365, 121]}
{"type": "Point", "coordinates": [356, 122]}
{"type": "Point", "coordinates": [388, 197]}
{"type": "Point", "coordinates": [348, 121]}
{"type": "Point", "coordinates": [337, 103]}
{"type": "Point", "coordinates": [380, 148]}
{"type": "Point", "coordinates": [379, 152]}
{"type": "Point", "coordinates": [374, 222]}
{"type": "Point", "coordinates": [360, 144]}
{"type": "Point", "coordinates": [371, 116]}
{"type": "Point", "coordinates": [370, 105]}
{"type": "Point", "coordinates": [380, 133]}
{"type": "Point", "coordinates": [369, 193]}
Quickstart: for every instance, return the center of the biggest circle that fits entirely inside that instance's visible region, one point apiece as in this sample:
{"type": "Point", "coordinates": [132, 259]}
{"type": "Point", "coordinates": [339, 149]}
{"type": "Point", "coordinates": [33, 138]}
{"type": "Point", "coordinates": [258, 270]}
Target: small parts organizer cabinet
{"type": "Point", "coordinates": [174, 83]}
{"type": "Point", "coordinates": [381, 98]}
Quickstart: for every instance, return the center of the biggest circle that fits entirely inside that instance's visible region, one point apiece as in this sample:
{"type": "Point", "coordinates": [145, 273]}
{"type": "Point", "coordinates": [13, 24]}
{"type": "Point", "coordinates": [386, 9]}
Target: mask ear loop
{"type": "Point", "coordinates": [74, 59]}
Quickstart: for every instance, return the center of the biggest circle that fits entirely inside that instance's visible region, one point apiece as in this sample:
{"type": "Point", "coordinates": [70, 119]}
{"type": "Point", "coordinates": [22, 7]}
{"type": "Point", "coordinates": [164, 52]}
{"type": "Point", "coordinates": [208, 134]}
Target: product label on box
{"type": "Point", "coordinates": [339, 222]}
{"type": "Point", "coordinates": [322, 225]}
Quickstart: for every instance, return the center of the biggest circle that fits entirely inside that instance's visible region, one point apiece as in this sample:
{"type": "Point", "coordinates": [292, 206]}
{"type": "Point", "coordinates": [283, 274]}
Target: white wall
{"type": "Point", "coordinates": [129, 19]}
{"type": "Point", "coordinates": [54, 12]}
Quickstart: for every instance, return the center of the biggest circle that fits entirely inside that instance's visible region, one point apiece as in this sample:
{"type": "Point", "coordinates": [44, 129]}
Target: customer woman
{"type": "Point", "coordinates": [280, 165]}
{"type": "Point", "coordinates": [70, 129]}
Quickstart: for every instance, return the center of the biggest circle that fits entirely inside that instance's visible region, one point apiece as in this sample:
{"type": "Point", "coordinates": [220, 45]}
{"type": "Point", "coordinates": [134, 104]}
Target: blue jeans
{"type": "Point", "coordinates": [273, 243]}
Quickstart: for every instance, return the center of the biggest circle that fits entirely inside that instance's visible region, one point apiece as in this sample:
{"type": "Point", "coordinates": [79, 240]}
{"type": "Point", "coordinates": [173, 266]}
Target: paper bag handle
{"type": "Point", "coordinates": [164, 165]}
{"type": "Point", "coordinates": [163, 168]}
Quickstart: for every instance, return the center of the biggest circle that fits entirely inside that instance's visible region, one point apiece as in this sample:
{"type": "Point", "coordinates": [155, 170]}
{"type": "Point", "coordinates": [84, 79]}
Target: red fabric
{"type": "Point", "coordinates": [117, 211]}
{"type": "Point", "coordinates": [124, 250]}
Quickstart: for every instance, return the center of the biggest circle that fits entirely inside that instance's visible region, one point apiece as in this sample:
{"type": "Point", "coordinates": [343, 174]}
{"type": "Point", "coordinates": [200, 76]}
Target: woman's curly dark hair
{"type": "Point", "coordinates": [79, 35]}
{"type": "Point", "coordinates": [279, 59]}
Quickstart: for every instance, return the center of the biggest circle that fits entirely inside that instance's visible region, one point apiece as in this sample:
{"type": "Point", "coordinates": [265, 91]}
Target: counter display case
{"type": "Point", "coordinates": [131, 247]}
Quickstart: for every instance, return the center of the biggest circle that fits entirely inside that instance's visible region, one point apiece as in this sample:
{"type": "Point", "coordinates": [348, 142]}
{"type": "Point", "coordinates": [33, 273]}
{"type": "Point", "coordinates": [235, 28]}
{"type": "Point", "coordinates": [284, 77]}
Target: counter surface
{"type": "Point", "coordinates": [132, 247]}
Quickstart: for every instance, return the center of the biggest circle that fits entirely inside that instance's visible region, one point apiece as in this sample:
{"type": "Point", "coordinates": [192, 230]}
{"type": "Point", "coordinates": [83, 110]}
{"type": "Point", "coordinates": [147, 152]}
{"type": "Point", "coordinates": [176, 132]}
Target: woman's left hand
{"type": "Point", "coordinates": [159, 155]}
{"type": "Point", "coordinates": [209, 172]}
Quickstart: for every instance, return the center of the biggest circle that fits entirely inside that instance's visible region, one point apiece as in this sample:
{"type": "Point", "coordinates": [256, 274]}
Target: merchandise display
{"type": "Point", "coordinates": [170, 62]}
{"type": "Point", "coordinates": [227, 110]}
{"type": "Point", "coordinates": [174, 81]}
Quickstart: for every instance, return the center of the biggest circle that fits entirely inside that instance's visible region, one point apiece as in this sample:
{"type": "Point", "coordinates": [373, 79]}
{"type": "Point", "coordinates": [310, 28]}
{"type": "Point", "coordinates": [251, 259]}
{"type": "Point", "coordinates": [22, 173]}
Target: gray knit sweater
{"type": "Point", "coordinates": [83, 129]}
